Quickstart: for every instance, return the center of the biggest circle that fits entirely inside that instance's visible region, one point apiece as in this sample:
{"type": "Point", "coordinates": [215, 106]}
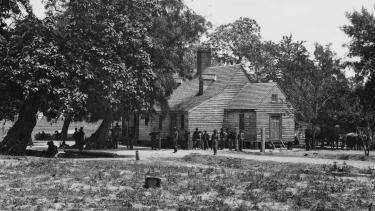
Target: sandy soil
{"type": "Point", "coordinates": [283, 156]}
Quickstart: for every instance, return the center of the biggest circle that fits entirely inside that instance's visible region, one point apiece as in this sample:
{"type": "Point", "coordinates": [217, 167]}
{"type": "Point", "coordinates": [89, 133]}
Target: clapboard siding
{"type": "Point", "coordinates": [267, 108]}
{"type": "Point", "coordinates": [145, 130]}
{"type": "Point", "coordinates": [210, 114]}
{"type": "Point", "coordinates": [232, 119]}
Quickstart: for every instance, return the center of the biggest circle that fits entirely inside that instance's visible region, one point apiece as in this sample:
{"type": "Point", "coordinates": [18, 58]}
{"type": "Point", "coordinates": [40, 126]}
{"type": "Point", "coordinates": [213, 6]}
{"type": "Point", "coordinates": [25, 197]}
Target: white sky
{"type": "Point", "coordinates": [308, 20]}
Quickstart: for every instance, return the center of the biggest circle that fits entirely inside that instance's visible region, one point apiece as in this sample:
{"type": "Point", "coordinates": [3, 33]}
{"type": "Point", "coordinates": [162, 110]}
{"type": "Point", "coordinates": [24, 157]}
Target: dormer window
{"type": "Point", "coordinates": [274, 98]}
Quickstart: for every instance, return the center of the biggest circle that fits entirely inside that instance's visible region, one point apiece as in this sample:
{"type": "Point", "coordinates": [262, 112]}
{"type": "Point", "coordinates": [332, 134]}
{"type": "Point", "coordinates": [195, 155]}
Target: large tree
{"type": "Point", "coordinates": [35, 78]}
{"type": "Point", "coordinates": [361, 31]}
{"type": "Point", "coordinates": [125, 52]}
{"type": "Point", "coordinates": [312, 85]}
{"type": "Point", "coordinates": [240, 43]}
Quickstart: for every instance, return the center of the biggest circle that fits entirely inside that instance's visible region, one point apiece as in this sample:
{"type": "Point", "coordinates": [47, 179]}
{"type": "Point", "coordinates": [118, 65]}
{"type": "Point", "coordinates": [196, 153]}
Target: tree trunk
{"type": "Point", "coordinates": [99, 138]}
{"type": "Point", "coordinates": [313, 144]}
{"type": "Point", "coordinates": [17, 138]}
{"type": "Point", "coordinates": [65, 127]}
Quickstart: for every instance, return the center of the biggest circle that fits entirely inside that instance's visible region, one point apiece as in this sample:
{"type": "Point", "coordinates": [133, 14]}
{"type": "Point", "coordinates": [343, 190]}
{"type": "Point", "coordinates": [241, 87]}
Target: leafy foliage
{"type": "Point", "coordinates": [361, 31]}
{"type": "Point", "coordinates": [34, 66]}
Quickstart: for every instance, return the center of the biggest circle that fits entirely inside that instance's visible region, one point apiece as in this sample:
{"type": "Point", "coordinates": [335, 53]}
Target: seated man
{"type": "Point", "coordinates": [51, 150]}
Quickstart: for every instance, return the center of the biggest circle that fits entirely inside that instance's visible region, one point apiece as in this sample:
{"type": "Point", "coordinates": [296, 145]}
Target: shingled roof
{"type": "Point", "coordinates": [185, 96]}
{"type": "Point", "coordinates": [251, 95]}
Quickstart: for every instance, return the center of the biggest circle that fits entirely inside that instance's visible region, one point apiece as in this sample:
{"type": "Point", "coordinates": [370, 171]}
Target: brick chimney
{"type": "Point", "coordinates": [203, 61]}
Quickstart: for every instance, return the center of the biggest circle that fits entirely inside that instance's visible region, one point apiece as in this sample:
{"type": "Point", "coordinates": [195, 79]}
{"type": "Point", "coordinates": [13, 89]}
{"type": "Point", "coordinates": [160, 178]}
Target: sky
{"type": "Point", "coordinates": [307, 20]}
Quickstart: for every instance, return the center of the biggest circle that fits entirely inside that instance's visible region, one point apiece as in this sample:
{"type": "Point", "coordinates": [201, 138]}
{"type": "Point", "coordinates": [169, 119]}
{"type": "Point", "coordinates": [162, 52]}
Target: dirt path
{"type": "Point", "coordinates": [154, 155]}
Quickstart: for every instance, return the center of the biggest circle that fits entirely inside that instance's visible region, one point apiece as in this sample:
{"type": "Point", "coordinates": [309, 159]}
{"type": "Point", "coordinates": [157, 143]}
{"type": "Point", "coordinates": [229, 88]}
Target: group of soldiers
{"type": "Point", "coordinates": [216, 141]}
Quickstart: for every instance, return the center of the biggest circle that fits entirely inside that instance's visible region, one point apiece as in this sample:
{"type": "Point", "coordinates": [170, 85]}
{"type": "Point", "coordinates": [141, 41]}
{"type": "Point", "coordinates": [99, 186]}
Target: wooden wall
{"type": "Point", "coordinates": [210, 114]}
{"type": "Point", "coordinates": [268, 108]}
{"type": "Point", "coordinates": [232, 119]}
{"type": "Point", "coordinates": [145, 130]}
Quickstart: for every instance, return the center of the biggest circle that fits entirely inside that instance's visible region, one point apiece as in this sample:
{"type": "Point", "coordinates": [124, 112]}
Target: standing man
{"type": "Point", "coordinates": [116, 132]}
{"type": "Point", "coordinates": [205, 138]}
{"type": "Point", "coordinates": [154, 135]}
{"type": "Point", "coordinates": [215, 140]}
{"type": "Point", "coordinates": [175, 139]}
{"type": "Point", "coordinates": [221, 143]}
{"type": "Point", "coordinates": [231, 140]}
{"type": "Point", "coordinates": [80, 138]}
{"type": "Point", "coordinates": [200, 139]}
{"type": "Point", "coordinates": [186, 138]}
{"type": "Point", "coordinates": [195, 138]}
{"type": "Point", "coordinates": [75, 137]}
{"type": "Point", "coordinates": [241, 137]}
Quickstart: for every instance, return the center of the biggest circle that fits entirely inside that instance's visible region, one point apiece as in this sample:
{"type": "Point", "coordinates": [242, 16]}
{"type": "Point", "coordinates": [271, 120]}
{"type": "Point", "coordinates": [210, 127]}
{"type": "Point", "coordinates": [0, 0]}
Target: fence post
{"type": "Point", "coordinates": [159, 142]}
{"type": "Point", "coordinates": [136, 155]}
{"type": "Point", "coordinates": [263, 135]}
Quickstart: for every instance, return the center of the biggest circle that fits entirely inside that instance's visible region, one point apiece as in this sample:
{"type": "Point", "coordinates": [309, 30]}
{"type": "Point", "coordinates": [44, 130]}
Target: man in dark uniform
{"type": "Point", "coordinates": [222, 135]}
{"type": "Point", "coordinates": [241, 139]}
{"type": "Point", "coordinates": [205, 138]}
{"type": "Point", "coordinates": [75, 137]}
{"type": "Point", "coordinates": [215, 141]}
{"type": "Point", "coordinates": [186, 139]}
{"type": "Point", "coordinates": [196, 138]}
{"type": "Point", "coordinates": [154, 135]}
{"type": "Point", "coordinates": [175, 136]}
{"type": "Point", "coordinates": [80, 138]}
{"type": "Point", "coordinates": [51, 150]}
{"type": "Point", "coordinates": [231, 140]}
{"type": "Point", "coordinates": [116, 133]}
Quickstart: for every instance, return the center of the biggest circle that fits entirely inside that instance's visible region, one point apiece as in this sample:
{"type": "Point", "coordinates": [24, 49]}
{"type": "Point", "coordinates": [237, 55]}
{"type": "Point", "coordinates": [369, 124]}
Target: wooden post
{"type": "Point", "coordinates": [160, 141]}
{"type": "Point", "coordinates": [136, 155]}
{"type": "Point", "coordinates": [236, 138]}
{"type": "Point", "coordinates": [263, 132]}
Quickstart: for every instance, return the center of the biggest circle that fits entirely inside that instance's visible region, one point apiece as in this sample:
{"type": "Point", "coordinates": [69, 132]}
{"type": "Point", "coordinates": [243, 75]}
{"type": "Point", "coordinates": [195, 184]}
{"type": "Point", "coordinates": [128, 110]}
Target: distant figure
{"type": "Point", "coordinates": [241, 139]}
{"type": "Point", "coordinates": [195, 138]}
{"type": "Point", "coordinates": [186, 138]}
{"type": "Point", "coordinates": [57, 135]}
{"type": "Point", "coordinates": [222, 135]}
{"type": "Point", "coordinates": [153, 136]}
{"type": "Point", "coordinates": [226, 138]}
{"type": "Point", "coordinates": [205, 138]}
{"type": "Point", "coordinates": [175, 139]}
{"type": "Point", "coordinates": [51, 150]}
{"type": "Point", "coordinates": [80, 138]}
{"type": "Point", "coordinates": [116, 133]}
{"type": "Point", "coordinates": [231, 138]}
{"type": "Point", "coordinates": [215, 141]}
{"type": "Point", "coordinates": [200, 140]}
{"type": "Point", "coordinates": [129, 141]}
{"type": "Point", "coordinates": [75, 137]}
{"type": "Point", "coordinates": [308, 138]}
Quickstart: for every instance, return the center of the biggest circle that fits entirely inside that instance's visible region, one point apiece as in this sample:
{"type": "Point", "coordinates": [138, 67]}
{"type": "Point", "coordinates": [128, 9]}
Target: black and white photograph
{"type": "Point", "coordinates": [187, 105]}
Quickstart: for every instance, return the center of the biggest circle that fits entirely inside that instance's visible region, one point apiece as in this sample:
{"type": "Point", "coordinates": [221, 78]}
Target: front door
{"type": "Point", "coordinates": [275, 127]}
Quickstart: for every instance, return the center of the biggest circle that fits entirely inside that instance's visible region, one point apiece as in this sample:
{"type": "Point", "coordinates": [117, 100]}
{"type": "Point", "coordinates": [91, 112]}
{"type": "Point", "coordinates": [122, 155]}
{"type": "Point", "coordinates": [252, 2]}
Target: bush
{"type": "Point", "coordinates": [43, 136]}
{"type": "Point", "coordinates": [49, 136]}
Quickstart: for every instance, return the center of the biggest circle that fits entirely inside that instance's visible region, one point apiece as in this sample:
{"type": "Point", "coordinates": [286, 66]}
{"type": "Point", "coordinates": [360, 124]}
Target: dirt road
{"type": "Point", "coordinates": [146, 154]}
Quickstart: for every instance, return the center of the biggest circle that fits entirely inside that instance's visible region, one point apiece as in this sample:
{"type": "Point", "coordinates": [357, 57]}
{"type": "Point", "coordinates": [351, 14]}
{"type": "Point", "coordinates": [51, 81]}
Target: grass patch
{"type": "Point", "coordinates": [218, 183]}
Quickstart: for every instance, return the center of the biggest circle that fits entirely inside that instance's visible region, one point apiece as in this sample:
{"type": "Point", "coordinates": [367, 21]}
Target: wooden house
{"type": "Point", "coordinates": [224, 97]}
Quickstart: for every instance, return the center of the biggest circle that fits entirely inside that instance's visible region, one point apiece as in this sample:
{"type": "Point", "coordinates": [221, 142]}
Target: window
{"type": "Point", "coordinates": [242, 122]}
{"type": "Point", "coordinates": [160, 123]}
{"type": "Point", "coordinates": [274, 98]}
{"type": "Point", "coordinates": [182, 121]}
